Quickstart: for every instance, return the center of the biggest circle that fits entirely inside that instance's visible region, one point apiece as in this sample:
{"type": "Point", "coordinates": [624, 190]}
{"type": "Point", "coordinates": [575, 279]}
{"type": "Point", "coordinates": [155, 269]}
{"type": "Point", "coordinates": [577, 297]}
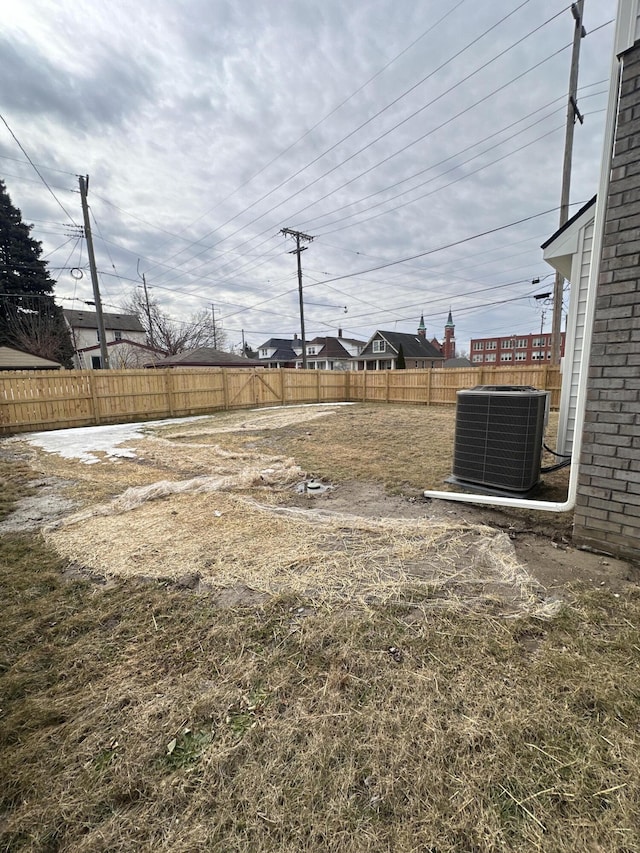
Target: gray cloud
{"type": "Point", "coordinates": [104, 95]}
{"type": "Point", "coordinates": [194, 117]}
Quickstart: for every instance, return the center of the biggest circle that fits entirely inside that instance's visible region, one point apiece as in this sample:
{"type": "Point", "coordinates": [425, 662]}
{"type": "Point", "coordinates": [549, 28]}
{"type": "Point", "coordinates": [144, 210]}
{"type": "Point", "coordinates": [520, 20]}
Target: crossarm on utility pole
{"type": "Point", "coordinates": [298, 235]}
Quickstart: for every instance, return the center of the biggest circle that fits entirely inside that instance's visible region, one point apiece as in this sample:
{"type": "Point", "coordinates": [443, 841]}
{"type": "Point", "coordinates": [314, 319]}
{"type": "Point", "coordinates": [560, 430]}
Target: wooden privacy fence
{"type": "Point", "coordinates": [42, 400]}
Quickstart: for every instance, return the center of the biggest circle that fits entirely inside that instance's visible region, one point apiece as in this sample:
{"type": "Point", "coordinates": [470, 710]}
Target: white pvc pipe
{"type": "Point", "coordinates": [594, 272]}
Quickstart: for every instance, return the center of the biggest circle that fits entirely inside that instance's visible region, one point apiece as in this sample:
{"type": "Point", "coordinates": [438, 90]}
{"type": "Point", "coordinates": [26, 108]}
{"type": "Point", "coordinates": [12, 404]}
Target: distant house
{"type": "Point", "coordinates": [458, 361]}
{"type": "Point", "coordinates": [329, 353]}
{"type": "Point", "coordinates": [280, 352]}
{"type": "Point", "coordinates": [383, 348]}
{"type": "Point", "coordinates": [14, 359]}
{"type": "Point", "coordinates": [126, 340]}
{"type": "Point", "coordinates": [205, 357]}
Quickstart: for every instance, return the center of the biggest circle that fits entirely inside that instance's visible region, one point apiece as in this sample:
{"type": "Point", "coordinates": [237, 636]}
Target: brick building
{"type": "Point", "coordinates": [607, 515]}
{"type": "Point", "coordinates": [513, 349]}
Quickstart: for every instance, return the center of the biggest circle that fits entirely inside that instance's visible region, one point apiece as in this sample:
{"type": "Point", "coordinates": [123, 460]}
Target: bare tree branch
{"type": "Point", "coordinates": [174, 336]}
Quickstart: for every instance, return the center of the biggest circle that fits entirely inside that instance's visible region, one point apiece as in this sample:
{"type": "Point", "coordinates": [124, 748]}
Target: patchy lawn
{"type": "Point", "coordinates": [152, 711]}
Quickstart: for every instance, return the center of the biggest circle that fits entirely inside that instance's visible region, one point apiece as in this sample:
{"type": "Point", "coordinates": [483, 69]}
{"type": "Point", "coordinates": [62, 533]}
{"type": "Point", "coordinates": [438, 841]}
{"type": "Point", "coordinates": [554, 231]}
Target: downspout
{"type": "Point", "coordinates": [594, 273]}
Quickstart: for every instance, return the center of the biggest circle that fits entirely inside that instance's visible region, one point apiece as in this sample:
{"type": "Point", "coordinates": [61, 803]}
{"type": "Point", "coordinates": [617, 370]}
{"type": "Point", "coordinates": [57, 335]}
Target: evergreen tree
{"type": "Point", "coordinates": [29, 318]}
{"type": "Point", "coordinates": [400, 362]}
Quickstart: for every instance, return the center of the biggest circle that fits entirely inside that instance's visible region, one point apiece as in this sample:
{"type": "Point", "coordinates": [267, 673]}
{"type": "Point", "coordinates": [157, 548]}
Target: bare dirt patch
{"type": "Point", "coordinates": [216, 499]}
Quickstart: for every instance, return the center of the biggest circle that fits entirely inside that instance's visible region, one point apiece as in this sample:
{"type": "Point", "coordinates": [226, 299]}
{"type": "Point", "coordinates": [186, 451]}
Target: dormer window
{"type": "Point", "coordinates": [379, 346]}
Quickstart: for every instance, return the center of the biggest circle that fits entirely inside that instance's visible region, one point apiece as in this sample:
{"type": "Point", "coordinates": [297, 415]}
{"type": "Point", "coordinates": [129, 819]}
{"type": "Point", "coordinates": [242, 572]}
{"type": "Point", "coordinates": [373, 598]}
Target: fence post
{"type": "Point", "coordinates": [225, 389]}
{"type": "Point", "coordinates": [347, 386]}
{"type": "Point", "coordinates": [364, 386]}
{"type": "Point", "coordinates": [429, 375]}
{"type": "Point", "coordinates": [168, 384]}
{"type": "Point", "coordinates": [318, 386]}
{"type": "Point", "coordinates": [386, 388]}
{"type": "Point", "coordinates": [94, 398]}
{"type": "Point", "coordinates": [282, 387]}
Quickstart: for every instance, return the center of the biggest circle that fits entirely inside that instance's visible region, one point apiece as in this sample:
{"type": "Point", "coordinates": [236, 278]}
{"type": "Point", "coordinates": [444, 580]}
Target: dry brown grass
{"type": "Point", "coordinates": [140, 717]}
{"type": "Point", "coordinates": [14, 484]}
{"type": "Point", "coordinates": [137, 715]}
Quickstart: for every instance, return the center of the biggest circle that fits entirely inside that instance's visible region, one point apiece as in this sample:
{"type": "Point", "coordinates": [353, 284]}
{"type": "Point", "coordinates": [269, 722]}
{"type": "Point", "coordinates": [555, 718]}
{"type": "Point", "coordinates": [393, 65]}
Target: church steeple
{"type": "Point", "coordinates": [449, 348]}
{"type": "Point", "coordinates": [422, 329]}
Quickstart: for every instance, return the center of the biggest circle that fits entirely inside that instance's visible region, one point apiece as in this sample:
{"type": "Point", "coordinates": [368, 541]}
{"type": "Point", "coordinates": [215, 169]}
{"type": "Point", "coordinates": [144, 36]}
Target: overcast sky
{"type": "Point", "coordinates": [385, 129]}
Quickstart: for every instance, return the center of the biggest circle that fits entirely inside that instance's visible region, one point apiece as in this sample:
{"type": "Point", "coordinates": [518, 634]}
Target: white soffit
{"type": "Point", "coordinates": [560, 251]}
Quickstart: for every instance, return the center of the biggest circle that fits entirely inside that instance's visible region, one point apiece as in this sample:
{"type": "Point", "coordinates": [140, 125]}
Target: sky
{"type": "Point", "coordinates": [396, 134]}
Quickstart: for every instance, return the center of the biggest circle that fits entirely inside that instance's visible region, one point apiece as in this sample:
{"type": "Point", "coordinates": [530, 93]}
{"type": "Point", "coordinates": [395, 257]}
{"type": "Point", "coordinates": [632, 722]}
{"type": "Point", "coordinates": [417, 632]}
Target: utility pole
{"type": "Point", "coordinates": [213, 321]}
{"type": "Point", "coordinates": [573, 113]}
{"type": "Point", "coordinates": [288, 232]}
{"type": "Point", "coordinates": [104, 352]}
{"type": "Point", "coordinates": [147, 306]}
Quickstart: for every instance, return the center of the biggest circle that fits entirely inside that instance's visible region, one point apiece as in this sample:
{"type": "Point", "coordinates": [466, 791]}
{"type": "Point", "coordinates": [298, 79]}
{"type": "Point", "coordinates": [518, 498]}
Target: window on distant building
{"type": "Point", "coordinates": [477, 359]}
{"type": "Point", "coordinates": [521, 356]}
{"type": "Point", "coordinates": [478, 345]}
{"type": "Point", "coordinates": [492, 344]}
{"type": "Point", "coordinates": [264, 353]}
{"type": "Point", "coordinates": [538, 342]}
{"type": "Point", "coordinates": [321, 365]}
{"type": "Point", "coordinates": [117, 335]}
{"type": "Point", "coordinates": [312, 350]}
{"type": "Point", "coordinates": [507, 343]}
{"type": "Point", "coordinates": [506, 356]}
{"type": "Point", "coordinates": [379, 346]}
{"type": "Point", "coordinates": [490, 357]}
{"type": "Point", "coordinates": [537, 355]}
{"type": "Point", "coordinates": [522, 343]}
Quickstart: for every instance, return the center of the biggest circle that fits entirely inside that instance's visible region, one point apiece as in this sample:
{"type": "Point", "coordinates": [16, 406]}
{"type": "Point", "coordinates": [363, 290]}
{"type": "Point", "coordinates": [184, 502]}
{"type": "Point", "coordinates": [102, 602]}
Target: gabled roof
{"type": "Point", "coordinates": [277, 343]}
{"type": "Point", "coordinates": [89, 320]}
{"type": "Point", "coordinates": [282, 354]}
{"type": "Point", "coordinates": [413, 346]}
{"type": "Point", "coordinates": [331, 348]}
{"type": "Point", "coordinates": [206, 357]}
{"type": "Point", "coordinates": [15, 359]}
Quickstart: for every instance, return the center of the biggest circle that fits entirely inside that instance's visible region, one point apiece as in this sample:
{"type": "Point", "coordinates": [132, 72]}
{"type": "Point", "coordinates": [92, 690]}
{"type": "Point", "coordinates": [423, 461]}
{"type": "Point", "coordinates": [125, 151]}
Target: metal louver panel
{"type": "Point", "coordinates": [499, 435]}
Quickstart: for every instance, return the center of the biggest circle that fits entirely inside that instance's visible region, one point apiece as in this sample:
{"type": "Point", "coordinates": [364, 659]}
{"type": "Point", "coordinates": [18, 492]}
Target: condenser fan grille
{"type": "Point", "coordinates": [499, 435]}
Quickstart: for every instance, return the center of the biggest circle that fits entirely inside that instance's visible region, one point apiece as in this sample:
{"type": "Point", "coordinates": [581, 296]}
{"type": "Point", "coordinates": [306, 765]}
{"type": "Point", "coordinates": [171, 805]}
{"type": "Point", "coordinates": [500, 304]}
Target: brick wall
{"type": "Point", "coordinates": [607, 514]}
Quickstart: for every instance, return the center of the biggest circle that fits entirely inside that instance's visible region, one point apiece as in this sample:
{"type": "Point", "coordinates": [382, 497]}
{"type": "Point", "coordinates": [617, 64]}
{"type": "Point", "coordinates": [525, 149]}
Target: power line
{"type": "Point", "coordinates": [395, 153]}
{"type": "Point", "coordinates": [372, 118]}
{"type": "Point", "coordinates": [317, 124]}
{"type": "Point", "coordinates": [40, 165]}
{"type": "Point", "coordinates": [450, 157]}
{"type": "Point", "coordinates": [19, 144]}
{"type": "Point", "coordinates": [419, 254]}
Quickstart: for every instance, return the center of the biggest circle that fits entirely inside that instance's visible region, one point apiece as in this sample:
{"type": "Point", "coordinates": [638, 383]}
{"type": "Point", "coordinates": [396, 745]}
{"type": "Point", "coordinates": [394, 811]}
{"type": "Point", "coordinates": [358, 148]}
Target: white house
{"type": "Point", "coordinates": [126, 340]}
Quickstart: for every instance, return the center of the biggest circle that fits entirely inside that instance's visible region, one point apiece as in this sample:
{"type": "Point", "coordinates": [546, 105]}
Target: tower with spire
{"type": "Point", "coordinates": [422, 329]}
{"type": "Point", "coordinates": [449, 346]}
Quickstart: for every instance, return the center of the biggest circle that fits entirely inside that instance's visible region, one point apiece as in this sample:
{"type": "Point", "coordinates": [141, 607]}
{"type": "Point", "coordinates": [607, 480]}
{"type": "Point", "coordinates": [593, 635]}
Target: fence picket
{"type": "Point", "coordinates": [40, 400]}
